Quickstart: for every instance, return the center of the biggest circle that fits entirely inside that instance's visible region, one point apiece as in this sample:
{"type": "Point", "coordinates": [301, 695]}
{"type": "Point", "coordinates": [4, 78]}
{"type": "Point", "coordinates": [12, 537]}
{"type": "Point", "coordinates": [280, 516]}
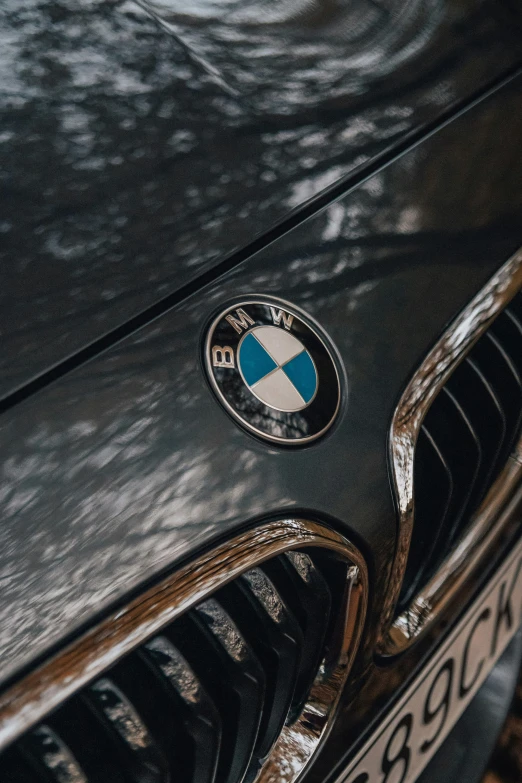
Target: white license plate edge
{"type": "Point", "coordinates": [365, 769]}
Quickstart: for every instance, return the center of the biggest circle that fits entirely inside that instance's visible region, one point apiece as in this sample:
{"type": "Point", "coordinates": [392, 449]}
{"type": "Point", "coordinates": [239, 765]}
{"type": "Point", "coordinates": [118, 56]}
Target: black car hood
{"type": "Point", "coordinates": [139, 154]}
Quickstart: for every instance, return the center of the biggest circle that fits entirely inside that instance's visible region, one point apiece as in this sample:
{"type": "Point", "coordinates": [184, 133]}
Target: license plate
{"type": "Point", "coordinates": [413, 731]}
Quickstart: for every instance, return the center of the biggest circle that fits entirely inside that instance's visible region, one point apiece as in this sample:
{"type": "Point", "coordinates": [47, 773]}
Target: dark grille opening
{"type": "Point", "coordinates": [464, 442]}
{"type": "Point", "coordinates": [203, 701]}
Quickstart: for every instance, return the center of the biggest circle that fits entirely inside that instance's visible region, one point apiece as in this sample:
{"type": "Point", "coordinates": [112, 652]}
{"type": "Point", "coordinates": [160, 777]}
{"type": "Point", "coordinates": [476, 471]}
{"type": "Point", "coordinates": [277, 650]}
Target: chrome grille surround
{"type": "Point", "coordinates": [494, 513]}
{"type": "Point", "coordinates": [32, 698]}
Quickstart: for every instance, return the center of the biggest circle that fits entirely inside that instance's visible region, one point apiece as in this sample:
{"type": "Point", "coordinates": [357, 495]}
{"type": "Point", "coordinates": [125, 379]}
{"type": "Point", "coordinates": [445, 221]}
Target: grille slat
{"type": "Point", "coordinates": [467, 435]}
{"type": "Point", "coordinates": [196, 724]}
{"type": "Point", "coordinates": [498, 368]}
{"type": "Point", "coordinates": [103, 757]}
{"type": "Point", "coordinates": [434, 485]}
{"type": "Point", "coordinates": [469, 477]}
{"type": "Point", "coordinates": [486, 413]}
{"type": "Point", "coordinates": [508, 332]}
{"type": "Point", "coordinates": [175, 707]}
{"type": "Point", "coordinates": [485, 419]}
{"type": "Point", "coordinates": [308, 596]}
{"type": "Point", "coordinates": [276, 640]}
{"type": "Point", "coordinates": [447, 424]}
{"type": "Point", "coordinates": [125, 729]}
{"type": "Point", "coordinates": [45, 756]}
{"type": "Point", "coordinates": [233, 677]}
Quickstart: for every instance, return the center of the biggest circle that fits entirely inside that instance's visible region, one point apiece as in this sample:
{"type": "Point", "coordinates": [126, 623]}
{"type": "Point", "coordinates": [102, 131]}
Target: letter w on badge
{"type": "Point", "coordinates": [240, 321]}
{"type": "Point", "coordinates": [280, 315]}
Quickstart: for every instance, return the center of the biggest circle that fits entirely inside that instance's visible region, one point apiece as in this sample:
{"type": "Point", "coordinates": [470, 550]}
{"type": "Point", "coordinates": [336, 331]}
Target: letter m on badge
{"type": "Point", "coordinates": [240, 321]}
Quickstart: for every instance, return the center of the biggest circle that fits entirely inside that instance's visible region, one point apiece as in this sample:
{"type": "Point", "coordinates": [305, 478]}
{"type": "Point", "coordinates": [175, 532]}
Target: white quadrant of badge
{"type": "Point", "coordinates": [277, 368]}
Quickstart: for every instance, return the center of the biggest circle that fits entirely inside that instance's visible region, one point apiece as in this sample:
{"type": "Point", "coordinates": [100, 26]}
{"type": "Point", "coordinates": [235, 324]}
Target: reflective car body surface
{"type": "Point", "coordinates": [361, 162]}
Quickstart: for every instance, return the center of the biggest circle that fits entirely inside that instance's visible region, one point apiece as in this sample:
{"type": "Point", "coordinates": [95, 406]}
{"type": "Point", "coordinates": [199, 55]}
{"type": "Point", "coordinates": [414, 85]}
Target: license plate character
{"type": "Point", "coordinates": [442, 697]}
{"type": "Point", "coordinates": [466, 683]}
{"type": "Point", "coordinates": [400, 753]}
{"type": "Point", "coordinates": [505, 611]}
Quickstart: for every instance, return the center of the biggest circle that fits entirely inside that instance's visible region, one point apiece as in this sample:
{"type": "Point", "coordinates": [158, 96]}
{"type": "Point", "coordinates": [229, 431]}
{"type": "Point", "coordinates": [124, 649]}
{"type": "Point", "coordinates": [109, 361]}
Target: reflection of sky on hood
{"type": "Point", "coordinates": [287, 53]}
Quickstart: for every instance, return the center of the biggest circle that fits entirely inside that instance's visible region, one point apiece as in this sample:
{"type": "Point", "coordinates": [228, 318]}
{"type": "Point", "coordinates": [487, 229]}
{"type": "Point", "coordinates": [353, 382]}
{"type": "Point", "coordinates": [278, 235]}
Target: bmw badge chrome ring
{"type": "Point", "coordinates": [272, 371]}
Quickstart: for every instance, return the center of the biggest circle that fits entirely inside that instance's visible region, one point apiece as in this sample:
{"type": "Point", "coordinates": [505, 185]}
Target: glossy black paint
{"type": "Point", "coordinates": [129, 172]}
{"type": "Point", "coordinates": [128, 465]}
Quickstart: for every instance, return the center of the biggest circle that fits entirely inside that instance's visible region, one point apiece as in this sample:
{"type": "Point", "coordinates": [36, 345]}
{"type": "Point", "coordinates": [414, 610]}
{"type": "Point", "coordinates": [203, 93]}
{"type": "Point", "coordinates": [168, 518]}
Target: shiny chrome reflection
{"type": "Point", "coordinates": [44, 689]}
{"type": "Point", "coordinates": [490, 521]}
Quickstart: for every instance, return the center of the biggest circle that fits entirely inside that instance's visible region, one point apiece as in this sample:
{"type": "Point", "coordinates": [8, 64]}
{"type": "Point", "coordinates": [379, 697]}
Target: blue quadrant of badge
{"type": "Point", "coordinates": [255, 361]}
{"type": "Point", "coordinates": [301, 371]}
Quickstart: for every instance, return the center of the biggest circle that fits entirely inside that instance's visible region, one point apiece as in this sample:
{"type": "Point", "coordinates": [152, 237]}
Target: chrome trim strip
{"type": "Point", "coordinates": [32, 698]}
{"type": "Point", "coordinates": [397, 634]}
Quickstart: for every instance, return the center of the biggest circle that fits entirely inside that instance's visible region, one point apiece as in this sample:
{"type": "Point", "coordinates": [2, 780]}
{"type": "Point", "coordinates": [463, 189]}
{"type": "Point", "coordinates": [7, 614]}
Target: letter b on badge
{"type": "Point", "coordinates": [223, 356]}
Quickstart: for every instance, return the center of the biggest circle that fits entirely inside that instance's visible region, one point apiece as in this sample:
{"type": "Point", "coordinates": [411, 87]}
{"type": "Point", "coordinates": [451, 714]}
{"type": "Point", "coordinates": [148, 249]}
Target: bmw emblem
{"type": "Point", "coordinates": [272, 371]}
